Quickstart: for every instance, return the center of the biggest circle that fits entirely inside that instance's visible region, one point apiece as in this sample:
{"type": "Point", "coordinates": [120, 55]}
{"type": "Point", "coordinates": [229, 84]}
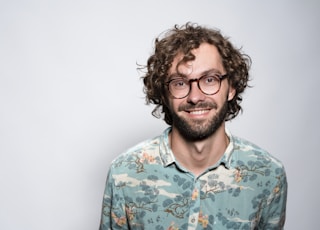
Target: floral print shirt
{"type": "Point", "coordinates": [147, 189]}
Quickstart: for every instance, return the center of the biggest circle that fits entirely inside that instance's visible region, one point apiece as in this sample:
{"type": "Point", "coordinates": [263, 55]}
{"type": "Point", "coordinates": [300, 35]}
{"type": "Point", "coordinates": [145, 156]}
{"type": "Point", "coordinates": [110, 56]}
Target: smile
{"type": "Point", "coordinates": [199, 112]}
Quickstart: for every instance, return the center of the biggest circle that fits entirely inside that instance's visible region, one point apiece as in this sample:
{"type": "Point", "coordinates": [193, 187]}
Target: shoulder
{"type": "Point", "coordinates": [253, 164]}
{"type": "Point", "coordinates": [246, 152]}
{"type": "Point", "coordinates": [141, 150]}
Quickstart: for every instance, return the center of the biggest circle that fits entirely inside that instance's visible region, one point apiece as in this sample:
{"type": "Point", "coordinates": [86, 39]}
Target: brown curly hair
{"type": "Point", "coordinates": [183, 40]}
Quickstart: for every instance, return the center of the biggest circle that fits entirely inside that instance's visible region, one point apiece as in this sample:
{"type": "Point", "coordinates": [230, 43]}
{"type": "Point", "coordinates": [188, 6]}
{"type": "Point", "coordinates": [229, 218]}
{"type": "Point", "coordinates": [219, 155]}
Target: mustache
{"type": "Point", "coordinates": [201, 105]}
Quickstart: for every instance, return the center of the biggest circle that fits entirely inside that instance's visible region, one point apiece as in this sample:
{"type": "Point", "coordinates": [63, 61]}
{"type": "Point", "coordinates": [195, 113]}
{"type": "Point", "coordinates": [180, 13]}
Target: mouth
{"type": "Point", "coordinates": [199, 112]}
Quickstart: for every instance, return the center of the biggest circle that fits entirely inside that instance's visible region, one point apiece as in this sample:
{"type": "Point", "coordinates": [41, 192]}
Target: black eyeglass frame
{"type": "Point", "coordinates": [220, 77]}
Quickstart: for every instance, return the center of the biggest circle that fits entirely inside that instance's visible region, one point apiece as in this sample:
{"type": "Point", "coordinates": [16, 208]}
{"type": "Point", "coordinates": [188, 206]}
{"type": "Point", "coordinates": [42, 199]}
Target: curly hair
{"type": "Point", "coordinates": [183, 40]}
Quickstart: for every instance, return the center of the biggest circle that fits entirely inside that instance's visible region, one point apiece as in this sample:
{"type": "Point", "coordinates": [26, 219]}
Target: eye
{"type": "Point", "coordinates": [178, 83]}
{"type": "Point", "coordinates": [210, 80]}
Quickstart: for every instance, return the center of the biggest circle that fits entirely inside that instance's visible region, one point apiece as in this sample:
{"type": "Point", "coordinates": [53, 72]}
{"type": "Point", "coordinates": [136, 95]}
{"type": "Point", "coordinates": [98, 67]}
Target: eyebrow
{"type": "Point", "coordinates": [204, 73]}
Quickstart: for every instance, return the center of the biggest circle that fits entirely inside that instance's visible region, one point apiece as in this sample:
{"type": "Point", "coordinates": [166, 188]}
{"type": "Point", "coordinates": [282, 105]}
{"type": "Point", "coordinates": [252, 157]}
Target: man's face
{"type": "Point", "coordinates": [198, 115]}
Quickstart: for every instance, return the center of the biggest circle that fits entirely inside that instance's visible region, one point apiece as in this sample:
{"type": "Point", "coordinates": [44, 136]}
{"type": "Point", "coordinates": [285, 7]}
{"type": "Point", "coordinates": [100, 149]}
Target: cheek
{"type": "Point", "coordinates": [169, 103]}
{"type": "Point", "coordinates": [166, 99]}
{"type": "Point", "coordinates": [222, 99]}
{"type": "Point", "coordinates": [174, 105]}
{"type": "Point", "coordinates": [225, 94]}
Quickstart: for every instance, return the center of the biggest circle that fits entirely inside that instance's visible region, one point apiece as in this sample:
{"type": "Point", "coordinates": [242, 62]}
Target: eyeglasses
{"type": "Point", "coordinates": [208, 84]}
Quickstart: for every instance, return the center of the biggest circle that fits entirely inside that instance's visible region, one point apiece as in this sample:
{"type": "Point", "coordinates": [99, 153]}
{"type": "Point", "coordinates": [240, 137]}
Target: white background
{"type": "Point", "coordinates": [64, 116]}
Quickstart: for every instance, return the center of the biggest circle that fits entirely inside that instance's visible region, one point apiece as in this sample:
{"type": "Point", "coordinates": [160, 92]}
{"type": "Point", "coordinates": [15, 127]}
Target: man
{"type": "Point", "coordinates": [196, 175]}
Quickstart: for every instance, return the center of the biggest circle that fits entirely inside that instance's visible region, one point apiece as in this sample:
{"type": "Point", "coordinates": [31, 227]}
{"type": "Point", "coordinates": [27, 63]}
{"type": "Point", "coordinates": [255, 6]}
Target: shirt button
{"type": "Point", "coordinates": [193, 220]}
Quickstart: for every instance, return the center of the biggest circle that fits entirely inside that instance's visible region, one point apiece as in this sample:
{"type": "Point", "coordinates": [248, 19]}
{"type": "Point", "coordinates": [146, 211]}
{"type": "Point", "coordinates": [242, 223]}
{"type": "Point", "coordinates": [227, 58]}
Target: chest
{"type": "Point", "coordinates": [174, 200]}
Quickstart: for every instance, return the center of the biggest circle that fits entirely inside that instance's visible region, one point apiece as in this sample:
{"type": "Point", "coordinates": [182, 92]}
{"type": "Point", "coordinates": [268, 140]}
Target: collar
{"type": "Point", "coordinates": [168, 158]}
{"type": "Point", "coordinates": [166, 153]}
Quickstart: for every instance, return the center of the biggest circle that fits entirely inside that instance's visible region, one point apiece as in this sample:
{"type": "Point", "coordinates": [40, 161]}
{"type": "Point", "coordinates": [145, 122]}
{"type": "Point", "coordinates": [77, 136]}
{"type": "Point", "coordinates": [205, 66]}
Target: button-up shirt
{"type": "Point", "coordinates": [147, 188]}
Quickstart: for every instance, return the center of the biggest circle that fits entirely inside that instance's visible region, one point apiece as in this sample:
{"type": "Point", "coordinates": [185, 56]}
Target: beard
{"type": "Point", "coordinates": [197, 130]}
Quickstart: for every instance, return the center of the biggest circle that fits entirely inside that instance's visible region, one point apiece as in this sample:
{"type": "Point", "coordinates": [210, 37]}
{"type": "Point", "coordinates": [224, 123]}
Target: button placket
{"type": "Point", "coordinates": [194, 206]}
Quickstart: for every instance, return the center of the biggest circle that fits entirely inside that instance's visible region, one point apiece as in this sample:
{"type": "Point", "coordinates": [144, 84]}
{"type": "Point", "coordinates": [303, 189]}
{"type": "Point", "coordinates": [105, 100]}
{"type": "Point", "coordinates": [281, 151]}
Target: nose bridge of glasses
{"type": "Point", "coordinates": [197, 81]}
{"type": "Point", "coordinates": [193, 80]}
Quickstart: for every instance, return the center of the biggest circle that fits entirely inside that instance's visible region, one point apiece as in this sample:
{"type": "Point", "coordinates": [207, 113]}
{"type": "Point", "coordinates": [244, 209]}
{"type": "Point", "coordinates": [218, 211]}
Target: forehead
{"type": "Point", "coordinates": [206, 57]}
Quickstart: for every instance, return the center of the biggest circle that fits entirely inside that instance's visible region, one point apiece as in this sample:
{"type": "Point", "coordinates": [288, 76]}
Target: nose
{"type": "Point", "coordinates": [195, 95]}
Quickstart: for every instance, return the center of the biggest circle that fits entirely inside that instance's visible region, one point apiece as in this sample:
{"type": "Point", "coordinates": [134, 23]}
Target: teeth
{"type": "Point", "coordinates": [198, 112]}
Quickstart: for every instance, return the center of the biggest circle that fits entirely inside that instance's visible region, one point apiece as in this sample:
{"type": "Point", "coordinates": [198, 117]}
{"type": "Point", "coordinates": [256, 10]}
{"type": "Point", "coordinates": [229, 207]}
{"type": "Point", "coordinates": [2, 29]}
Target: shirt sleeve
{"type": "Point", "coordinates": [274, 213]}
{"type": "Point", "coordinates": [113, 211]}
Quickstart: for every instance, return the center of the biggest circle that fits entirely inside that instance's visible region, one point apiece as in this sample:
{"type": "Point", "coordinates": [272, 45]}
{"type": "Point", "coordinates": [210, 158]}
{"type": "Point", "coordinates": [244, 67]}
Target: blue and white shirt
{"type": "Point", "coordinates": [147, 189]}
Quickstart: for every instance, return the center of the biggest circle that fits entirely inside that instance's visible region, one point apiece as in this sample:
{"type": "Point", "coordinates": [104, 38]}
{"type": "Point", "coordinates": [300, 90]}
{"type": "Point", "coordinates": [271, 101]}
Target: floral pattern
{"type": "Point", "coordinates": [147, 189]}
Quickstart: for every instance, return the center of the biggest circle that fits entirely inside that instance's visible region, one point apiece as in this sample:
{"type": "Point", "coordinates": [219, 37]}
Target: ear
{"type": "Point", "coordinates": [231, 93]}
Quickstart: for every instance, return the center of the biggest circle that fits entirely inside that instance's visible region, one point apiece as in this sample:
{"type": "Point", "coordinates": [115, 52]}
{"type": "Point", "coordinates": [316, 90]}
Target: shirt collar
{"type": "Point", "coordinates": [168, 158]}
{"type": "Point", "coordinates": [226, 158]}
{"type": "Point", "coordinates": [166, 153]}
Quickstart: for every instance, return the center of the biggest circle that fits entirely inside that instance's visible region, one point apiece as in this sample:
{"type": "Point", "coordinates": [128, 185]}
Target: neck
{"type": "Point", "coordinates": [197, 156]}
